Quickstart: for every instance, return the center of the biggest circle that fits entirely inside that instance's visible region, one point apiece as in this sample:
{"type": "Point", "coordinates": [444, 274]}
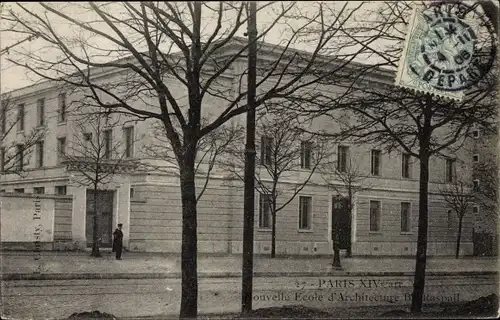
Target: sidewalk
{"type": "Point", "coordinates": [79, 265]}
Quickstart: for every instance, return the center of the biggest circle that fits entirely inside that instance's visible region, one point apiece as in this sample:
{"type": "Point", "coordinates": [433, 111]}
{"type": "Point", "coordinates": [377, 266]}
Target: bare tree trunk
{"type": "Point", "coordinates": [423, 214]}
{"type": "Point", "coordinates": [273, 233]}
{"type": "Point", "coordinates": [459, 235]}
{"type": "Point", "coordinates": [189, 298]}
{"type": "Point", "coordinates": [349, 213]}
{"type": "Point", "coordinates": [96, 228]}
{"type": "Point", "coordinates": [249, 193]}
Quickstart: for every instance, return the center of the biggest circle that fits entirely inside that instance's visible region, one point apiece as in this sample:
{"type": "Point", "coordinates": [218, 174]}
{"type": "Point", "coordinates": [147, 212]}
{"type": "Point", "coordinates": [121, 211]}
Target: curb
{"type": "Point", "coordinates": [214, 275]}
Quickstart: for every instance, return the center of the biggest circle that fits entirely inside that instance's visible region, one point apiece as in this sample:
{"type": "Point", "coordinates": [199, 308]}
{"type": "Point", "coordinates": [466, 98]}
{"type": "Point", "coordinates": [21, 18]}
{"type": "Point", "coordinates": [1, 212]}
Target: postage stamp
{"type": "Point", "coordinates": [449, 47]}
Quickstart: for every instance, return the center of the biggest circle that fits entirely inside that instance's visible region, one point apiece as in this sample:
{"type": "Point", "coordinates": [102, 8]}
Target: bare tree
{"type": "Point", "coordinates": [421, 125]}
{"type": "Point", "coordinates": [286, 154]}
{"type": "Point", "coordinates": [161, 49]}
{"type": "Point", "coordinates": [459, 196]}
{"type": "Point", "coordinates": [95, 158]}
{"type": "Point", "coordinates": [15, 153]}
{"type": "Point", "coordinates": [346, 176]}
{"type": "Point", "coordinates": [209, 149]}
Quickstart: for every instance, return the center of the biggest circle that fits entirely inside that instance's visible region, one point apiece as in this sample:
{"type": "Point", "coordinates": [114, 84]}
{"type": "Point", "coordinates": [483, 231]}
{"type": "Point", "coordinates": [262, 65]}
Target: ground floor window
{"type": "Point", "coordinates": [374, 215]}
{"type": "Point", "coordinates": [405, 217]}
{"type": "Point", "coordinates": [305, 211]}
{"type": "Point", "coordinates": [264, 211]}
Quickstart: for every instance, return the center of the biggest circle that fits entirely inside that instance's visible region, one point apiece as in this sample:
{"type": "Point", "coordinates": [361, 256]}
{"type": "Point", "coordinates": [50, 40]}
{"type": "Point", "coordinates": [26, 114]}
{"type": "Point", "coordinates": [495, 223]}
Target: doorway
{"type": "Point", "coordinates": [341, 221]}
{"type": "Point", "coordinates": [105, 206]}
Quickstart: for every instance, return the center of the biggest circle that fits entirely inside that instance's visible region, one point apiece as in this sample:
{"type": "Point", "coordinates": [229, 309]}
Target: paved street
{"type": "Point", "coordinates": [155, 297]}
{"type": "Point", "coordinates": [149, 285]}
{"type": "Point", "coordinates": [135, 263]}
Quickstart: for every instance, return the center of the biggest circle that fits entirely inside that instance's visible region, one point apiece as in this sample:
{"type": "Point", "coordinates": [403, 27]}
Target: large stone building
{"type": "Point", "coordinates": [148, 203]}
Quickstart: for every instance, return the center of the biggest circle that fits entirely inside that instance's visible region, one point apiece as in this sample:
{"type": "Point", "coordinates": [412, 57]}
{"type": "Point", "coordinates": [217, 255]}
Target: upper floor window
{"type": "Point", "coordinates": [87, 140]}
{"type": "Point", "coordinates": [129, 142]}
{"type": "Point", "coordinates": [108, 146]}
{"type": "Point", "coordinates": [450, 170]}
{"type": "Point", "coordinates": [61, 149]}
{"type": "Point", "coordinates": [343, 156]}
{"type": "Point", "coordinates": [475, 209]}
{"type": "Point", "coordinates": [19, 159]}
{"type": "Point", "coordinates": [475, 133]}
{"type": "Point", "coordinates": [40, 107]}
{"type": "Point", "coordinates": [20, 117]}
{"type": "Point", "coordinates": [406, 166]}
{"type": "Point", "coordinates": [266, 151]}
{"type": "Point", "coordinates": [376, 162]}
{"type": "Point", "coordinates": [305, 154]}
{"type": "Point", "coordinates": [19, 190]}
{"type": "Point", "coordinates": [475, 185]}
{"type": "Point", "coordinates": [61, 113]}
{"type": "Point", "coordinates": [39, 154]}
{"type": "Point", "coordinates": [475, 158]}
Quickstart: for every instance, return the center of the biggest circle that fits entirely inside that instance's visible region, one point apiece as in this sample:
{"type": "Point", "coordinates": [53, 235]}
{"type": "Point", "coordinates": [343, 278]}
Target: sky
{"type": "Point", "coordinates": [14, 77]}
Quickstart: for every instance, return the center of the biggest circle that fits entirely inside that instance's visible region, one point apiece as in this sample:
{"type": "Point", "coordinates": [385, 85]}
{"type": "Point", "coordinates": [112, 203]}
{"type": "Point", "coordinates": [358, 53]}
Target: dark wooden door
{"type": "Point", "coordinates": [105, 205]}
{"type": "Point", "coordinates": [341, 221]}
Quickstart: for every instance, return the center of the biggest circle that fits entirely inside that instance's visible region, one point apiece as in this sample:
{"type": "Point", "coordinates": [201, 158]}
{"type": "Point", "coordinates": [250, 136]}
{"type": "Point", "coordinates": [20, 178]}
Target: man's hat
{"type": "Point", "coordinates": [120, 224]}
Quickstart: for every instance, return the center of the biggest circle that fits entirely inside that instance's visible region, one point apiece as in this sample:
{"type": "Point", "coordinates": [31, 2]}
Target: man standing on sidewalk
{"type": "Point", "coordinates": [118, 242]}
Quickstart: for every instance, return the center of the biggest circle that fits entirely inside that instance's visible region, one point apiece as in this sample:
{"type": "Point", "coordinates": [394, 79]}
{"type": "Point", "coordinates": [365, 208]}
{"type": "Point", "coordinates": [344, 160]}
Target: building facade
{"type": "Point", "coordinates": [147, 201]}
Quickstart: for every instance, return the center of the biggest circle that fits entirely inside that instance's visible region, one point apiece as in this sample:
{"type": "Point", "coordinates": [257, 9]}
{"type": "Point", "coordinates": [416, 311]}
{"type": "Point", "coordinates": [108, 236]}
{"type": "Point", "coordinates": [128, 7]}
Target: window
{"type": "Point", "coordinates": [107, 143]}
{"type": "Point", "coordinates": [376, 162]}
{"type": "Point", "coordinates": [475, 133]}
{"type": "Point", "coordinates": [19, 190]}
{"type": "Point", "coordinates": [19, 162]}
{"type": "Point", "coordinates": [2, 159]}
{"type": "Point", "coordinates": [450, 170]}
{"type": "Point", "coordinates": [61, 190]}
{"type": "Point", "coordinates": [475, 185]}
{"type": "Point", "coordinates": [39, 190]}
{"type": "Point", "coordinates": [343, 155]}
{"type": "Point", "coordinates": [451, 218]}
{"type": "Point", "coordinates": [475, 158]}
{"type": "Point", "coordinates": [405, 217]}
{"type": "Point", "coordinates": [266, 151]}
{"type": "Point", "coordinates": [406, 166]}
{"type": "Point", "coordinates": [20, 117]}
{"type": "Point", "coordinates": [87, 138]}
{"type": "Point", "coordinates": [264, 211]}
{"type": "Point", "coordinates": [39, 154]}
{"type": "Point", "coordinates": [132, 192]}
{"type": "Point", "coordinates": [374, 215]}
{"type": "Point", "coordinates": [3, 190]}
{"type": "Point", "coordinates": [61, 149]}
{"type": "Point", "coordinates": [475, 209]}
{"type": "Point", "coordinates": [40, 107]}
{"type": "Point", "coordinates": [3, 117]}
{"type": "Point", "coordinates": [305, 211]}
{"type": "Point", "coordinates": [305, 154]}
{"type": "Point", "coordinates": [62, 107]}
{"type": "Point", "coordinates": [129, 142]}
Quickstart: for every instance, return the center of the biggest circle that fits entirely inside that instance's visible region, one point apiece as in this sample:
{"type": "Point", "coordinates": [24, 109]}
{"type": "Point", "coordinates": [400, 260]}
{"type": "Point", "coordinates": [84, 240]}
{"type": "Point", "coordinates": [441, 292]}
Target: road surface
{"type": "Point", "coordinates": [42, 299]}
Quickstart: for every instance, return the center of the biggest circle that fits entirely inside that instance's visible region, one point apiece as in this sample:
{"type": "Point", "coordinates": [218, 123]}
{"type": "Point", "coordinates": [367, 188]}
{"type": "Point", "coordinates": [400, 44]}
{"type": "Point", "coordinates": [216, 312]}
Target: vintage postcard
{"type": "Point", "coordinates": [249, 160]}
